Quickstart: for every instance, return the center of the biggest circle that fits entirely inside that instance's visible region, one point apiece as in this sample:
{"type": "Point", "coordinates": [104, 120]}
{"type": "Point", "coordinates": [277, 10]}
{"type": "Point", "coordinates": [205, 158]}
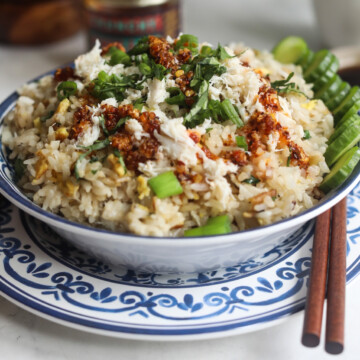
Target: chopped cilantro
{"type": "Point", "coordinates": [251, 180]}
{"type": "Point", "coordinates": [307, 135]}
{"type": "Point", "coordinates": [241, 142]}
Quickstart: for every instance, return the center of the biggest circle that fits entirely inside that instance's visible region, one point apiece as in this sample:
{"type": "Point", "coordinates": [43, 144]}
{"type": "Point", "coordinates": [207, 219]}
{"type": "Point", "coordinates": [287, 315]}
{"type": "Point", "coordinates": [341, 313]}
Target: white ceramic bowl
{"type": "Point", "coordinates": [157, 254]}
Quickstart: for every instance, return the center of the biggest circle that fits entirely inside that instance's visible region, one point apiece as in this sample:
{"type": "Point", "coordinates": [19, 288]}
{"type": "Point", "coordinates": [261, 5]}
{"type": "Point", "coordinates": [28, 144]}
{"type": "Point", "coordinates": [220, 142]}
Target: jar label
{"type": "Point", "coordinates": [128, 29]}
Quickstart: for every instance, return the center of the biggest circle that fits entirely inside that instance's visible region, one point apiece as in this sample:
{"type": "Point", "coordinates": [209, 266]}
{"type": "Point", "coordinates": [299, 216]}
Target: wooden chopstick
{"type": "Point", "coordinates": [334, 339]}
{"type": "Point", "coordinates": [320, 263]}
{"type": "Point", "coordinates": [317, 281]}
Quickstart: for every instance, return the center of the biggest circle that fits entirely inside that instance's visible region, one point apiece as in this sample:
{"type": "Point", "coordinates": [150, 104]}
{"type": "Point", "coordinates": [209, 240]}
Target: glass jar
{"type": "Point", "coordinates": [31, 22]}
{"type": "Point", "coordinates": [127, 21]}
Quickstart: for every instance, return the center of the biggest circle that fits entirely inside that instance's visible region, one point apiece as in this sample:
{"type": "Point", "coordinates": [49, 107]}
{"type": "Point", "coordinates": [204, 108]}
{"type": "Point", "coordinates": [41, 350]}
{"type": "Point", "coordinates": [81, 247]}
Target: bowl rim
{"type": "Point", "coordinates": [58, 221]}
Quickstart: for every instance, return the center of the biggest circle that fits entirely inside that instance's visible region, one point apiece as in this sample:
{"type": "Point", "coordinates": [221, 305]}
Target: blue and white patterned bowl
{"type": "Point", "coordinates": [155, 254]}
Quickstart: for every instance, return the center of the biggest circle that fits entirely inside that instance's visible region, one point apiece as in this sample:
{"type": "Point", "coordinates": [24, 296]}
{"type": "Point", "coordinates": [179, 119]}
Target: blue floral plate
{"type": "Point", "coordinates": [46, 275]}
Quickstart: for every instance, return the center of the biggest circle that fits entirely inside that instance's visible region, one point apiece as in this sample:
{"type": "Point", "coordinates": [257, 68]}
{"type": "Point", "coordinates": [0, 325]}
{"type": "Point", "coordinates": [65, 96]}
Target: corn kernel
{"type": "Point", "coordinates": [61, 133]}
{"type": "Point", "coordinates": [37, 123]}
{"type": "Point", "coordinates": [179, 73]}
{"type": "Point", "coordinates": [63, 106]}
{"type": "Point", "coordinates": [189, 93]}
{"type": "Point", "coordinates": [142, 187]}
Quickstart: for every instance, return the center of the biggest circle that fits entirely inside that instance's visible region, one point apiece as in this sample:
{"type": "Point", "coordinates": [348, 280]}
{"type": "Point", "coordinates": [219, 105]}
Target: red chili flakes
{"type": "Point", "coordinates": [238, 157]}
{"type": "Point", "coordinates": [268, 98]}
{"type": "Point", "coordinates": [229, 141]}
{"type": "Point", "coordinates": [209, 154]}
{"type": "Point", "coordinates": [118, 45]}
{"type": "Point", "coordinates": [298, 156]}
{"type": "Point", "coordinates": [82, 120]}
{"type": "Point", "coordinates": [194, 136]}
{"type": "Point", "coordinates": [64, 74]}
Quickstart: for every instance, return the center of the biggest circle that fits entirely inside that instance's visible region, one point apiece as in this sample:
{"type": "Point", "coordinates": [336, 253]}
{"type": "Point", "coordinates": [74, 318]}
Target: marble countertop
{"type": "Point", "coordinates": [26, 336]}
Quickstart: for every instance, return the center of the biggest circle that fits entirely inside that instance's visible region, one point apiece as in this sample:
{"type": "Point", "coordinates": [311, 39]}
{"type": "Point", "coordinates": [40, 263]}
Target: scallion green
{"type": "Point", "coordinates": [165, 185]}
{"type": "Point", "coordinates": [65, 89]}
{"type": "Point", "coordinates": [214, 226]}
{"type": "Point", "coordinates": [231, 113]}
{"type": "Point", "coordinates": [241, 142]}
{"type": "Point", "coordinates": [188, 41]}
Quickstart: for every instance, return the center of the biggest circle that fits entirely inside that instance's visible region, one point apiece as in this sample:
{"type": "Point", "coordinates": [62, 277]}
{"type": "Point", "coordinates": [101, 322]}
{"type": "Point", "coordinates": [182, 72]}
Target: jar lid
{"type": "Point", "coordinates": [134, 3]}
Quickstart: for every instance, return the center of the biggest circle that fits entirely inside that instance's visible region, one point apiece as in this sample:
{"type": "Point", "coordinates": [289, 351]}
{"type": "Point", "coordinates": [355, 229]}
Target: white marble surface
{"type": "Point", "coordinates": [25, 336]}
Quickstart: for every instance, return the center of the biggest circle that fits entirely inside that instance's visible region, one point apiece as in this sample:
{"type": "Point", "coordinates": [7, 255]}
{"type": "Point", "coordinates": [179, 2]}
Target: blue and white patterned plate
{"type": "Point", "coordinates": [46, 275]}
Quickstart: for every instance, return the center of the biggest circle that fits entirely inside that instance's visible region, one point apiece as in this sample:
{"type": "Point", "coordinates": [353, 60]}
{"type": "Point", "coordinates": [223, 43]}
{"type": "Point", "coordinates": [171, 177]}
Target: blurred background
{"type": "Point", "coordinates": [39, 35]}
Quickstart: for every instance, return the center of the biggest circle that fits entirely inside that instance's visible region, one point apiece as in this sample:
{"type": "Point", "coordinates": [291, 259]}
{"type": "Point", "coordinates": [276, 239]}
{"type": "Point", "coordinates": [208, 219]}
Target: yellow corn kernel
{"type": "Point", "coordinates": [309, 105]}
{"type": "Point", "coordinates": [116, 166]}
{"type": "Point", "coordinates": [189, 93]}
{"type": "Point", "coordinates": [37, 123]}
{"type": "Point", "coordinates": [61, 133]}
{"type": "Point", "coordinates": [142, 187]}
{"type": "Point", "coordinates": [69, 188]}
{"type": "Point", "coordinates": [40, 167]}
{"type": "Point", "coordinates": [179, 73]}
{"type": "Point", "coordinates": [63, 106]}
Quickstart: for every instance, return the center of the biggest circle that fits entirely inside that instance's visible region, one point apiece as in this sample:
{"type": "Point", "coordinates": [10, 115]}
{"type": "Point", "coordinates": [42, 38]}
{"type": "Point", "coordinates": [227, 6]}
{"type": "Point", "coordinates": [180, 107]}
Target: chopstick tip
{"type": "Point", "coordinates": [333, 347]}
{"type": "Point", "coordinates": [310, 340]}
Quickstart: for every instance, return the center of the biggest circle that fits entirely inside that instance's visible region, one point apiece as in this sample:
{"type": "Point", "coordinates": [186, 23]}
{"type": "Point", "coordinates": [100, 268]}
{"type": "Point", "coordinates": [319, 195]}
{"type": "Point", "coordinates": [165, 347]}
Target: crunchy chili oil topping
{"type": "Point", "coordinates": [257, 131]}
{"type": "Point", "coordinates": [63, 74]}
{"type": "Point", "coordinates": [82, 121]}
{"type": "Point", "coordinates": [269, 99]}
{"type": "Point", "coordinates": [105, 49]}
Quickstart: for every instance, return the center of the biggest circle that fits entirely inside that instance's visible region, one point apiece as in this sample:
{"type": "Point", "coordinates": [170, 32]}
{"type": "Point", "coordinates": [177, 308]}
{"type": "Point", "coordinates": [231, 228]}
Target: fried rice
{"type": "Point", "coordinates": [265, 169]}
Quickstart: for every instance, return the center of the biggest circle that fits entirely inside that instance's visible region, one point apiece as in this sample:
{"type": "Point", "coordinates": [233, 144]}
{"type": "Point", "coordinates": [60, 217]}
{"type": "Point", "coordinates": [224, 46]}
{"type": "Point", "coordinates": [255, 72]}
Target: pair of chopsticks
{"type": "Point", "coordinates": [327, 275]}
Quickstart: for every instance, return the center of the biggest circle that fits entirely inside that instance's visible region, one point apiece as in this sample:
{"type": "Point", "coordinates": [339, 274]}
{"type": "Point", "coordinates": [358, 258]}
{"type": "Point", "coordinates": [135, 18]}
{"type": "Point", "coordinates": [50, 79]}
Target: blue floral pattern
{"type": "Point", "coordinates": [39, 264]}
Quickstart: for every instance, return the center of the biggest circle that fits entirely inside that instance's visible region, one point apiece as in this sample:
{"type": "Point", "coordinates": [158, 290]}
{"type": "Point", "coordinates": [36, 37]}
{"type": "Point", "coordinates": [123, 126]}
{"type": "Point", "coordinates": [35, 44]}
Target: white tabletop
{"type": "Point", "coordinates": [259, 24]}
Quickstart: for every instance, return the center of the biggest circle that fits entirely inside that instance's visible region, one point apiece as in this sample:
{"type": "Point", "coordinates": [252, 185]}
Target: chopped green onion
{"type": "Point", "coordinates": [200, 104]}
{"type": "Point", "coordinates": [214, 226]}
{"type": "Point", "coordinates": [47, 116]}
{"type": "Point", "coordinates": [306, 135]}
{"type": "Point", "coordinates": [241, 142]}
{"type": "Point", "coordinates": [65, 89]}
{"type": "Point", "coordinates": [121, 122]}
{"type": "Point", "coordinates": [145, 69]}
{"type": "Point", "coordinates": [94, 171]}
{"type": "Point", "coordinates": [102, 124]}
{"type": "Point", "coordinates": [215, 110]}
{"type": "Point", "coordinates": [251, 180]}
{"type": "Point", "coordinates": [188, 41]}
{"type": "Point", "coordinates": [141, 47]}
{"type": "Point", "coordinates": [119, 57]}
{"type": "Point", "coordinates": [121, 159]}
{"type": "Point", "coordinates": [230, 112]}
{"type": "Point", "coordinates": [165, 185]}
{"type": "Point", "coordinates": [94, 159]}
{"type": "Point", "coordinates": [177, 97]}
{"type": "Point", "coordinates": [208, 130]}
